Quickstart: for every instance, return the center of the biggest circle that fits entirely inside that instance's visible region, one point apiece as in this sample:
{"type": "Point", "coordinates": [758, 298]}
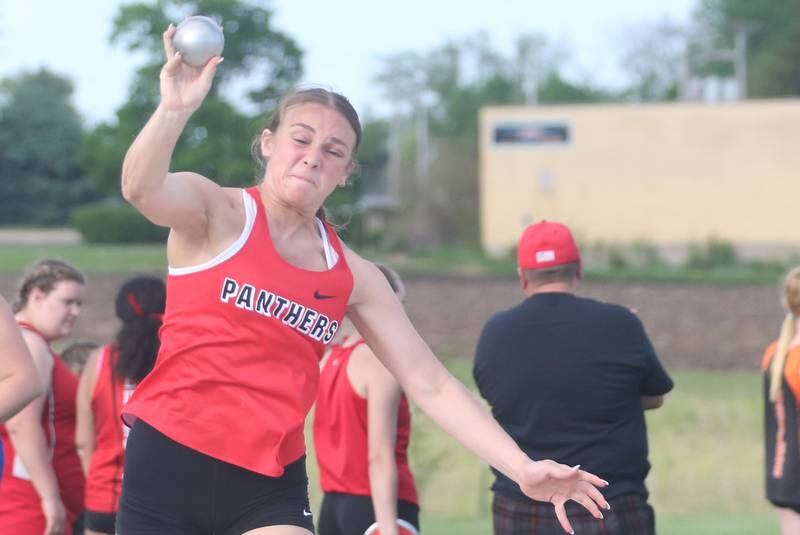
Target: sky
{"type": "Point", "coordinates": [342, 40]}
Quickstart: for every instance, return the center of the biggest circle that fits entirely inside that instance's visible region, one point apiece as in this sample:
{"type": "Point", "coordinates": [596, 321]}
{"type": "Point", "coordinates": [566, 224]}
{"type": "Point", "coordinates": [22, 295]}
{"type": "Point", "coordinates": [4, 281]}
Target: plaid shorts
{"type": "Point", "coordinates": [630, 514]}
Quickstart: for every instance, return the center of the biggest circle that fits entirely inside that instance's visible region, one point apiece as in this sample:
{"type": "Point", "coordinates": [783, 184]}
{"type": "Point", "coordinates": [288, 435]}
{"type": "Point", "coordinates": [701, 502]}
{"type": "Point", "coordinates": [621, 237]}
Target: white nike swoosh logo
{"type": "Point", "coordinates": [306, 513]}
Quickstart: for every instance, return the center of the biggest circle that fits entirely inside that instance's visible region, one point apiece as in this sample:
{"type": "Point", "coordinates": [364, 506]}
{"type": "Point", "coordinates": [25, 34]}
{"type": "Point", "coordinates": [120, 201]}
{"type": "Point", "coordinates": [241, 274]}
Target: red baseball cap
{"type": "Point", "coordinates": [547, 244]}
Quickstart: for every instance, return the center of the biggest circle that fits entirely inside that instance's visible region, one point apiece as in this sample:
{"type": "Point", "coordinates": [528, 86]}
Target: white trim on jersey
{"type": "Point", "coordinates": [330, 253]}
{"type": "Point", "coordinates": [250, 211]}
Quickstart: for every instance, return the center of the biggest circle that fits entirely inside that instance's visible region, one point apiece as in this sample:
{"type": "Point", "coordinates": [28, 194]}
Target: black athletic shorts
{"type": "Point", "coordinates": [349, 514]}
{"type": "Point", "coordinates": [99, 522]}
{"type": "Point", "coordinates": [169, 488]}
{"type": "Point", "coordinates": [784, 505]}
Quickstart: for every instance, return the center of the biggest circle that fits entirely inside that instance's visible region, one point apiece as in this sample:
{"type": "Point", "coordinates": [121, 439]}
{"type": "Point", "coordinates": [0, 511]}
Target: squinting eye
{"type": "Point", "coordinates": [337, 154]}
{"type": "Point", "coordinates": [302, 141]}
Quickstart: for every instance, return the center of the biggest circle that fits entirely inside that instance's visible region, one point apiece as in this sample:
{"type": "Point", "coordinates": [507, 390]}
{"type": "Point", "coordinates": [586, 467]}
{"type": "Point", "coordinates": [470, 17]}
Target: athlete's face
{"type": "Point", "coordinates": [54, 313]}
{"type": "Point", "coordinates": [309, 155]}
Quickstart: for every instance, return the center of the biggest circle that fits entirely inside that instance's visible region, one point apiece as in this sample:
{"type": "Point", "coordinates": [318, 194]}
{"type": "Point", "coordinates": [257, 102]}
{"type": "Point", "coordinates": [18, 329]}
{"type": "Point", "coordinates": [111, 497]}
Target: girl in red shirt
{"type": "Point", "coordinates": [108, 379]}
{"type": "Point", "coordinates": [42, 487]}
{"type": "Point", "coordinates": [362, 426]}
{"type": "Point", "coordinates": [258, 285]}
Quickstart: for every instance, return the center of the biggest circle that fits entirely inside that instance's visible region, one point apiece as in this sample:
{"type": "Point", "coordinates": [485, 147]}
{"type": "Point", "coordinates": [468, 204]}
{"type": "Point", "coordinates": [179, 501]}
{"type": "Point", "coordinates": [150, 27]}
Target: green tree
{"type": "Point", "coordinates": [261, 64]}
{"type": "Point", "coordinates": [554, 89]}
{"type": "Point", "coordinates": [655, 60]}
{"type": "Point", "coordinates": [40, 132]}
{"type": "Point", "coordinates": [773, 41]}
{"type": "Point", "coordinates": [437, 97]}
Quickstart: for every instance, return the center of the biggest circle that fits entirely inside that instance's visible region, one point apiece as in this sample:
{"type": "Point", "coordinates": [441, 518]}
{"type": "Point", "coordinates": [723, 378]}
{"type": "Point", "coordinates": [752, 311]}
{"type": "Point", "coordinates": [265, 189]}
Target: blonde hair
{"type": "Point", "coordinates": [44, 275]}
{"type": "Point", "coordinates": [791, 301]}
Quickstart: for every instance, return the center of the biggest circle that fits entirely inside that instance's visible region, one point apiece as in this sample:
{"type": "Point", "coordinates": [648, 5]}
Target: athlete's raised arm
{"type": "Point", "coordinates": [181, 201]}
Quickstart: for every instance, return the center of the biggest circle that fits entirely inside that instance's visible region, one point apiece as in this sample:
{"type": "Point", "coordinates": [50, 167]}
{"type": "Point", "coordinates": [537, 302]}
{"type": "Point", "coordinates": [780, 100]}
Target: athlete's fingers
{"type": "Point", "coordinates": [587, 503]}
{"type": "Point", "coordinates": [172, 66]}
{"type": "Point", "coordinates": [597, 496]}
{"type": "Point", "coordinates": [593, 479]}
{"type": "Point", "coordinates": [169, 46]}
{"type": "Point", "coordinates": [561, 515]}
{"type": "Point", "coordinates": [210, 68]}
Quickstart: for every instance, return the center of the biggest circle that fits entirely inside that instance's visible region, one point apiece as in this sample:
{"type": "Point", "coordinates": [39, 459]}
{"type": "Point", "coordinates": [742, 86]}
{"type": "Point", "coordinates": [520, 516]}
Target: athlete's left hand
{"type": "Point", "coordinates": [548, 481]}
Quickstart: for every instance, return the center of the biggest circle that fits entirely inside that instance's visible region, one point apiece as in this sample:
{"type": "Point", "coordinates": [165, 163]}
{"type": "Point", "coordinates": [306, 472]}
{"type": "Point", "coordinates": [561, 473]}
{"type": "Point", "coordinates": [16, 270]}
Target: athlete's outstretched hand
{"type": "Point", "coordinates": [184, 87]}
{"type": "Point", "coordinates": [548, 481]}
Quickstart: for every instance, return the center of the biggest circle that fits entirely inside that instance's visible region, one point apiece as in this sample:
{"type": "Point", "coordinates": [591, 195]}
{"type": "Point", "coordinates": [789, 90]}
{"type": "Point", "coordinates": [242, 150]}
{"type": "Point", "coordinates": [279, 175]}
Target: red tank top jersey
{"type": "Point", "coordinates": [104, 482]}
{"type": "Point", "coordinates": [238, 367]}
{"type": "Point", "coordinates": [20, 505]}
{"type": "Point", "coordinates": [340, 433]}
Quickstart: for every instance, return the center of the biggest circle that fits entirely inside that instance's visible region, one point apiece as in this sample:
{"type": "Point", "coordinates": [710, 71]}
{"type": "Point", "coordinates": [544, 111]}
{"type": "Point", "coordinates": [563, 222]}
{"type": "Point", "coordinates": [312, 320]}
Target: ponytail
{"type": "Point", "coordinates": [779, 358]}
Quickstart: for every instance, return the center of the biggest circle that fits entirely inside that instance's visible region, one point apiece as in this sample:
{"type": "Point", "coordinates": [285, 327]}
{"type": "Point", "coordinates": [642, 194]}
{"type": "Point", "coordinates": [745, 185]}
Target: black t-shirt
{"type": "Point", "coordinates": [564, 376]}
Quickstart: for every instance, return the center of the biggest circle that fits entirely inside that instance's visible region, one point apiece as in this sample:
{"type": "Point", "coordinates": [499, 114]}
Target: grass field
{"type": "Point", "coordinates": [14, 258]}
{"type": "Point", "coordinates": [89, 258]}
{"type": "Point", "coordinates": [705, 447]}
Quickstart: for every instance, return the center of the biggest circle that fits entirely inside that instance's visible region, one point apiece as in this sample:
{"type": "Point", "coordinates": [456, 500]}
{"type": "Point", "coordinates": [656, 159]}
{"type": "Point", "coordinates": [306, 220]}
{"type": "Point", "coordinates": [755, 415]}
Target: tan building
{"type": "Point", "coordinates": [667, 174]}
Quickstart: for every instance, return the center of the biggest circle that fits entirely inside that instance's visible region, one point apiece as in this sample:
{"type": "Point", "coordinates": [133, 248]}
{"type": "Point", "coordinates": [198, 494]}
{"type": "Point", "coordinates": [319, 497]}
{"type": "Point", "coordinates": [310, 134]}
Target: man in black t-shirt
{"type": "Point", "coordinates": [569, 379]}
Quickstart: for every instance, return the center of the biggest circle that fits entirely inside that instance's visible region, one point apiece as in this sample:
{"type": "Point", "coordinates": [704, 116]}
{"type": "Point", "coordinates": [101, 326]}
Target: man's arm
{"type": "Point", "coordinates": [652, 402]}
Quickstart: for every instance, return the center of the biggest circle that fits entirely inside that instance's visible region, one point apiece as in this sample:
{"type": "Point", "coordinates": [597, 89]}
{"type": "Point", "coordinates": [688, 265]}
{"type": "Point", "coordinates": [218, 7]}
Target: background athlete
{"type": "Point", "coordinates": [110, 375]}
{"type": "Point", "coordinates": [362, 427]}
{"type": "Point", "coordinates": [780, 365]}
{"type": "Point", "coordinates": [42, 487]}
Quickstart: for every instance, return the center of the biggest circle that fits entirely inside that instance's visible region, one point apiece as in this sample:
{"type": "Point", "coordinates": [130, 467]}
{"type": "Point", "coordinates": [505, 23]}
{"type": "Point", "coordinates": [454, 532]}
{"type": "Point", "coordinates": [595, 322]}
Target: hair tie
{"type": "Point", "coordinates": [137, 308]}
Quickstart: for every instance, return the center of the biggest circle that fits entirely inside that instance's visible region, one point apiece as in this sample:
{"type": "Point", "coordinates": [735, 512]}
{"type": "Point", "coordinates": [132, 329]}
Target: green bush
{"type": "Point", "coordinates": [714, 253]}
{"type": "Point", "coordinates": [115, 223]}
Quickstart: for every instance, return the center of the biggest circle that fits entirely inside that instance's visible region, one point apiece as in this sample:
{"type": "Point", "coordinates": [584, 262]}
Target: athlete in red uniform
{"type": "Point", "coordinates": [42, 487]}
{"type": "Point", "coordinates": [362, 426]}
{"type": "Point", "coordinates": [107, 382]}
{"type": "Point", "coordinates": [258, 285]}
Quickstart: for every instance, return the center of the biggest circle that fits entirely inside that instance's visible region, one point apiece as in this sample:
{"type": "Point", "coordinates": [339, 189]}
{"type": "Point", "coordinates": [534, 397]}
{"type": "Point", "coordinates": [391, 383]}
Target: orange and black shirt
{"type": "Point", "coordinates": [781, 431]}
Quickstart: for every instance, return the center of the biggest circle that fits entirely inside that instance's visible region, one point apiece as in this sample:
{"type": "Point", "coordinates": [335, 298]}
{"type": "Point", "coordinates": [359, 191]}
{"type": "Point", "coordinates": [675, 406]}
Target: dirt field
{"type": "Point", "coordinates": [691, 326]}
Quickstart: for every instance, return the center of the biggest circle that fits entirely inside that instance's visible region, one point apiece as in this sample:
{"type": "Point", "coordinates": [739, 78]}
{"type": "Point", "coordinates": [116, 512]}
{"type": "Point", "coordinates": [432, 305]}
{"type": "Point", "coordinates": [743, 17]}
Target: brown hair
{"type": "Point", "coordinates": [563, 273]}
{"type": "Point", "coordinates": [44, 275]}
{"type": "Point", "coordinates": [394, 281]}
{"type": "Point", "coordinates": [76, 355]}
{"type": "Point", "coordinates": [791, 301]}
{"type": "Point", "coordinates": [316, 95]}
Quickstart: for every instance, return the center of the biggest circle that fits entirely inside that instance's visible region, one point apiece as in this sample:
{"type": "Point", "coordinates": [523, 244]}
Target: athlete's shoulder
{"type": "Point", "coordinates": [366, 275]}
{"type": "Point", "coordinates": [769, 351]}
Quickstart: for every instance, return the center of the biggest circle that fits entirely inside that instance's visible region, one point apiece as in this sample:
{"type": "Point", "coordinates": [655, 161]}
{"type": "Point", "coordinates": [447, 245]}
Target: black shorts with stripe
{"type": "Point", "coordinates": [630, 514]}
